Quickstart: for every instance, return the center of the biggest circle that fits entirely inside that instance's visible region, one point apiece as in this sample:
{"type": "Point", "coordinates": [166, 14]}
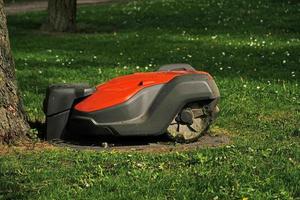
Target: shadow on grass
{"type": "Point", "coordinates": [83, 141]}
{"type": "Point", "coordinates": [40, 128]}
{"type": "Point", "coordinates": [151, 31]}
{"type": "Point", "coordinates": [222, 17]}
{"type": "Point", "coordinates": [160, 143]}
{"type": "Point", "coordinates": [113, 141]}
{"type": "Point", "coordinates": [212, 17]}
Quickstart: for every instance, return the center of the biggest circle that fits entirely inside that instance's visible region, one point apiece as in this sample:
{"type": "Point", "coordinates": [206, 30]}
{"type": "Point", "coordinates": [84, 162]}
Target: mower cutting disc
{"type": "Point", "coordinates": [190, 123]}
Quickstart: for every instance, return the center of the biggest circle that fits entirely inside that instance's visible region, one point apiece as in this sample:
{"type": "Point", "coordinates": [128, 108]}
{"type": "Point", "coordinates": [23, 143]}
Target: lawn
{"type": "Point", "coordinates": [252, 48]}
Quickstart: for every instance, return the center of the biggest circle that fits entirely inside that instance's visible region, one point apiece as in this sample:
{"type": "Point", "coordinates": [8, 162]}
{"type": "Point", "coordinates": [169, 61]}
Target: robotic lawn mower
{"type": "Point", "coordinates": [176, 100]}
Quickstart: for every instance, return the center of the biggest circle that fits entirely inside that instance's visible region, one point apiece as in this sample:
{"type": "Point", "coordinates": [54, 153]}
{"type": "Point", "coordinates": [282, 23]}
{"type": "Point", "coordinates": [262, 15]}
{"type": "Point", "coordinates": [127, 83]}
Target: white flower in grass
{"type": "Point", "coordinates": [95, 57]}
{"type": "Point", "coordinates": [189, 56]}
{"type": "Point", "coordinates": [258, 87]}
{"type": "Point", "coordinates": [284, 61]}
{"type": "Point", "coordinates": [49, 50]}
{"type": "Point", "coordinates": [146, 68]}
{"type": "Point", "coordinates": [139, 164]}
{"type": "Point", "coordinates": [56, 56]}
{"type": "Point", "coordinates": [244, 85]}
{"type": "Point", "coordinates": [287, 53]}
{"type": "Point", "coordinates": [40, 71]}
{"type": "Point", "coordinates": [221, 68]}
{"type": "Point", "coordinates": [137, 67]}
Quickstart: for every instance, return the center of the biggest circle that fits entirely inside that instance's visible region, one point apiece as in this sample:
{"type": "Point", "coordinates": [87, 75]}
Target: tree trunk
{"type": "Point", "coordinates": [61, 16]}
{"type": "Point", "coordinates": [13, 124]}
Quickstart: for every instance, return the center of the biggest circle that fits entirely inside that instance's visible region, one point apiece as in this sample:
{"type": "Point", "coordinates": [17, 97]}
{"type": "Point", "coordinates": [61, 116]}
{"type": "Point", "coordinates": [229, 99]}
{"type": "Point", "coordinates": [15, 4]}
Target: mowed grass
{"type": "Point", "coordinates": [252, 48]}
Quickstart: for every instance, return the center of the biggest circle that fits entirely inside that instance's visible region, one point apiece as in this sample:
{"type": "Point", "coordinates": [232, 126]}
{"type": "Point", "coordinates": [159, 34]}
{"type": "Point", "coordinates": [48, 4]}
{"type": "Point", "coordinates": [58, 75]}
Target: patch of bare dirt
{"type": "Point", "coordinates": [217, 138]}
{"type": "Point", "coordinates": [25, 147]}
{"type": "Point", "coordinates": [206, 141]}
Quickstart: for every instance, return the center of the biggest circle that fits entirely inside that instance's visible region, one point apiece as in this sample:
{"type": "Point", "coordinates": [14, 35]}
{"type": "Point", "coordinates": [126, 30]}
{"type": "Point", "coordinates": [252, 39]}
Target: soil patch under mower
{"type": "Point", "coordinates": [142, 144]}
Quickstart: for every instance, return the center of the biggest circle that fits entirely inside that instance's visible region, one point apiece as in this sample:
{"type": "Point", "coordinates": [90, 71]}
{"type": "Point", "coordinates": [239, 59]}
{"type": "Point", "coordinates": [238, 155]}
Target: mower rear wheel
{"type": "Point", "coordinates": [189, 124]}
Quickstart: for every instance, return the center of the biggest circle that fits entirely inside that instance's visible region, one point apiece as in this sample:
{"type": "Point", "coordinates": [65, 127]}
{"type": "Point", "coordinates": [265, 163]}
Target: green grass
{"type": "Point", "coordinates": [252, 48]}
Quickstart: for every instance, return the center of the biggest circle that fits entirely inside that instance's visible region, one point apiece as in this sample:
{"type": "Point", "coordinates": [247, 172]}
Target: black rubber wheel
{"type": "Point", "coordinates": [184, 133]}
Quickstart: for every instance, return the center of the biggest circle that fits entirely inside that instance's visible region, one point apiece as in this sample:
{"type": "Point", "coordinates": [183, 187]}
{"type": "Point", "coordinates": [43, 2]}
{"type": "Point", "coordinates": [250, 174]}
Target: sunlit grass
{"type": "Point", "coordinates": [252, 49]}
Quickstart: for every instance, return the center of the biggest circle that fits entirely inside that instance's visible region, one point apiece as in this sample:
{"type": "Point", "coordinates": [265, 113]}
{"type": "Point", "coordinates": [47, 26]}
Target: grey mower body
{"type": "Point", "coordinates": [179, 94]}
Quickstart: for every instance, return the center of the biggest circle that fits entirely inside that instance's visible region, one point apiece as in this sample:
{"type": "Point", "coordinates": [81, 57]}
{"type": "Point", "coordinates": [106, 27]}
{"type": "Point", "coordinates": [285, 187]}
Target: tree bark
{"type": "Point", "coordinates": [61, 16]}
{"type": "Point", "coordinates": [13, 124]}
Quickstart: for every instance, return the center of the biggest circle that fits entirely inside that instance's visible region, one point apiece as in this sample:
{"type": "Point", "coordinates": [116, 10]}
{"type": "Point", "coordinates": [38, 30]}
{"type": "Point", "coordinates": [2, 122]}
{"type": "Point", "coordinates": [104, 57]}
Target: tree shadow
{"type": "Point", "coordinates": [40, 127]}
{"type": "Point", "coordinates": [163, 26]}
{"type": "Point", "coordinates": [218, 17]}
{"type": "Point", "coordinates": [114, 141]}
{"type": "Point", "coordinates": [84, 140]}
